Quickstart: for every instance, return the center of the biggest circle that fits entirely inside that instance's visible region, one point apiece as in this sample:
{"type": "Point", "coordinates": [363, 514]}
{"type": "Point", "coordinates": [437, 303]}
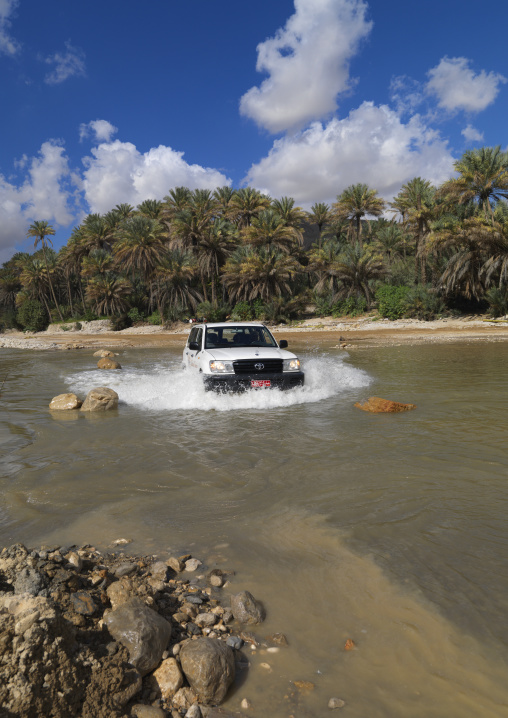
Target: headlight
{"type": "Point", "coordinates": [222, 367]}
{"type": "Point", "coordinates": [291, 365]}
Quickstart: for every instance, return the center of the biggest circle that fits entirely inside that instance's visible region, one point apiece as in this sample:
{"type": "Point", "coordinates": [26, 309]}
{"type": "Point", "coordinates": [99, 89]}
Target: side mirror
{"type": "Point", "coordinates": [194, 346]}
{"type": "Point", "coordinates": [283, 344]}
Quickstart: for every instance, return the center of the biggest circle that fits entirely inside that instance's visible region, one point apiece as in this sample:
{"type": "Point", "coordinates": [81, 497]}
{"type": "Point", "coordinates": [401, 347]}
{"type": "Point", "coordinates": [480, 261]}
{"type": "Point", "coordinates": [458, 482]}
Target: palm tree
{"type": "Point", "coordinates": [323, 265]}
{"type": "Point", "coordinates": [269, 229]}
{"type": "Point", "coordinates": [214, 248]}
{"type": "Point", "coordinates": [10, 285]}
{"type": "Point", "coordinates": [99, 261]}
{"type": "Point", "coordinates": [358, 201]}
{"type": "Point", "coordinates": [98, 231]}
{"type": "Point", "coordinates": [262, 273]}
{"type": "Point", "coordinates": [222, 197]}
{"type": "Point", "coordinates": [320, 214]}
{"type": "Point", "coordinates": [246, 204]}
{"type": "Point", "coordinates": [151, 208]}
{"type": "Point", "coordinates": [416, 201]}
{"type": "Point", "coordinates": [291, 215]}
{"type": "Point", "coordinates": [357, 268]}
{"type": "Point", "coordinates": [391, 240]}
{"type": "Point", "coordinates": [140, 246]}
{"type": "Point", "coordinates": [175, 274]}
{"type": "Point", "coordinates": [483, 179]}
{"type": "Point", "coordinates": [41, 230]}
{"type": "Point", "coordinates": [108, 294]}
{"type": "Point", "coordinates": [34, 281]}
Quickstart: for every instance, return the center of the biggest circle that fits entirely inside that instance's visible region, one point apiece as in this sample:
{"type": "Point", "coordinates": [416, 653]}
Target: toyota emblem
{"type": "Point", "coordinates": [259, 366]}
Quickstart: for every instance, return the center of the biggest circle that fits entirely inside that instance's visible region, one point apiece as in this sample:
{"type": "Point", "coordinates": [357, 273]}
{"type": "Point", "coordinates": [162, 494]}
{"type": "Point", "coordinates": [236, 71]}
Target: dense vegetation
{"type": "Point", "coordinates": [244, 254]}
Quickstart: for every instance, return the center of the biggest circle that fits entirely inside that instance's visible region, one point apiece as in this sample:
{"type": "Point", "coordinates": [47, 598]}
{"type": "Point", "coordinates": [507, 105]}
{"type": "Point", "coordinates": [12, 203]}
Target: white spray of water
{"type": "Point", "coordinates": [165, 387]}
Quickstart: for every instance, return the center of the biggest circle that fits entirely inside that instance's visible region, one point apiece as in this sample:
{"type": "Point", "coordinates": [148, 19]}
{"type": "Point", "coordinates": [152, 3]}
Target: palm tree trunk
{"type": "Point", "coordinates": [51, 283]}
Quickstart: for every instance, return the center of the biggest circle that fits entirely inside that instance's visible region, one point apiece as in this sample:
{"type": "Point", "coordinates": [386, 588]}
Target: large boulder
{"type": "Point", "coordinates": [100, 399]}
{"type": "Point", "coordinates": [64, 402]}
{"type": "Point", "coordinates": [247, 609]}
{"type": "Point", "coordinates": [142, 631]}
{"type": "Point", "coordinates": [376, 405]}
{"type": "Point", "coordinates": [209, 666]}
{"type": "Point", "coordinates": [108, 363]}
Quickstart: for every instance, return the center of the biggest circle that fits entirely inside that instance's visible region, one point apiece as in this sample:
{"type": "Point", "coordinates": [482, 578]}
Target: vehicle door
{"type": "Point", "coordinates": [192, 355]}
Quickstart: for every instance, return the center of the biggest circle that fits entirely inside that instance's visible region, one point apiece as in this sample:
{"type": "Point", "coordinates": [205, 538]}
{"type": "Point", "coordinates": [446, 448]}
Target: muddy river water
{"type": "Point", "coordinates": [390, 530]}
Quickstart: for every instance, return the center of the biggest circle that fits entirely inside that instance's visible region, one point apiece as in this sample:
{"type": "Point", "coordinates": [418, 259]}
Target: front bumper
{"type": "Point", "coordinates": [242, 382]}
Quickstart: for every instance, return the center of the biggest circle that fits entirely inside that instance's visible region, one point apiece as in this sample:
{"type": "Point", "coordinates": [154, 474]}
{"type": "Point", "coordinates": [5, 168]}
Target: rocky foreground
{"type": "Point", "coordinates": [91, 634]}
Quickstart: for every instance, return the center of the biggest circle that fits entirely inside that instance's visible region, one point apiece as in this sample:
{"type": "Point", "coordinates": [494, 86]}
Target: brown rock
{"type": "Point", "coordinates": [100, 399]}
{"type": "Point", "coordinates": [118, 594]}
{"type": "Point", "coordinates": [209, 666]}
{"type": "Point", "coordinates": [183, 699]}
{"type": "Point", "coordinates": [104, 353]}
{"type": "Point", "coordinates": [247, 609]}
{"type": "Point", "coordinates": [64, 402]}
{"type": "Point", "coordinates": [377, 405]}
{"type": "Point", "coordinates": [107, 363]}
{"type": "Point", "coordinates": [168, 679]}
{"type": "Point", "coordinates": [176, 564]}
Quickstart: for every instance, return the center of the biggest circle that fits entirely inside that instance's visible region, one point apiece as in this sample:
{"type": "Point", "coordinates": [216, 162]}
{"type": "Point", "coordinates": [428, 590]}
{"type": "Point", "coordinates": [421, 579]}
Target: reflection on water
{"type": "Point", "coordinates": [388, 529]}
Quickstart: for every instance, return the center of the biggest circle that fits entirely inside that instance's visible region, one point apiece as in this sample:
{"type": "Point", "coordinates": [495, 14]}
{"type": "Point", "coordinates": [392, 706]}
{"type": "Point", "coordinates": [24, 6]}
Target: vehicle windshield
{"type": "Point", "coordinates": [237, 335]}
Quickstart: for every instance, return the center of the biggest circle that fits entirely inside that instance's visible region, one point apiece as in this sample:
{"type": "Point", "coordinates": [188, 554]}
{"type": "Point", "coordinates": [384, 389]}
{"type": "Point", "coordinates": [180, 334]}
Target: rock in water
{"type": "Point", "coordinates": [376, 405]}
{"type": "Point", "coordinates": [142, 631]}
{"type": "Point", "coordinates": [64, 402]}
{"type": "Point", "coordinates": [104, 353]}
{"type": "Point", "coordinates": [246, 609]}
{"type": "Point", "coordinates": [100, 399]}
{"type": "Point", "coordinates": [107, 363]}
{"type": "Point", "coordinates": [209, 666]}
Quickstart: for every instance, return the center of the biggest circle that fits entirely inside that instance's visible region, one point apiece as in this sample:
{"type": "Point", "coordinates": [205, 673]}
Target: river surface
{"type": "Point", "coordinates": [390, 530]}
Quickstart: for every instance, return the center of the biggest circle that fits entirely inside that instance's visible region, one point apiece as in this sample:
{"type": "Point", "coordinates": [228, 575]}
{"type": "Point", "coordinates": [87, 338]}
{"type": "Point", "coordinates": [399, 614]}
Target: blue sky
{"type": "Point", "coordinates": [118, 101]}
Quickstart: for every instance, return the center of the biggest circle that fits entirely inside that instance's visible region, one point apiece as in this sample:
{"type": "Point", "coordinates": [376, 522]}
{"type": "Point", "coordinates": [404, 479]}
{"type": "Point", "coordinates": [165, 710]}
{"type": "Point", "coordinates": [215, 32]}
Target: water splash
{"type": "Point", "coordinates": [164, 386]}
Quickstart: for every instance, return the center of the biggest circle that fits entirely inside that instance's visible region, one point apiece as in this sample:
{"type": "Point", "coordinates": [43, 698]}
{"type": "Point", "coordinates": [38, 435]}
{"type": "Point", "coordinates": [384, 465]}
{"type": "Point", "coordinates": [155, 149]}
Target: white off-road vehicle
{"type": "Point", "coordinates": [241, 356]}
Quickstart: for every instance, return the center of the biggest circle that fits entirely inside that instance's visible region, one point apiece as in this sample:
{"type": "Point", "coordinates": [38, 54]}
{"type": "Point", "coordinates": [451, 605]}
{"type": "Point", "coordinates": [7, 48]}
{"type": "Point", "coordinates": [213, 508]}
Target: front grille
{"type": "Point", "coordinates": [248, 366]}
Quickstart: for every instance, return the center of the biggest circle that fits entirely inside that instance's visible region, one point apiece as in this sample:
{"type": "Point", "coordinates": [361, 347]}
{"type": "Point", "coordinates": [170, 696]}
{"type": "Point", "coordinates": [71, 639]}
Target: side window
{"type": "Point", "coordinates": [192, 336]}
{"type": "Point", "coordinates": [199, 338]}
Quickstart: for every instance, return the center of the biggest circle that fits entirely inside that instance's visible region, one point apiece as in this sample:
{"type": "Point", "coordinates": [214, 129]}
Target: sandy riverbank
{"type": "Point", "coordinates": [353, 333]}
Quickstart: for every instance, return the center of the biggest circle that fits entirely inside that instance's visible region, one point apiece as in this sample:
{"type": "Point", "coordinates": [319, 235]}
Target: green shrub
{"type": "Point", "coordinates": [174, 313]}
{"type": "Point", "coordinates": [242, 312]}
{"type": "Point", "coordinates": [323, 305]}
{"type": "Point", "coordinates": [423, 303]}
{"type": "Point", "coordinates": [352, 307]}
{"type": "Point", "coordinates": [88, 316]}
{"type": "Point", "coordinates": [498, 301]}
{"type": "Point", "coordinates": [392, 301]}
{"type": "Point", "coordinates": [32, 315]}
{"type": "Point", "coordinates": [213, 313]}
{"type": "Point", "coordinates": [154, 318]}
{"type": "Point", "coordinates": [8, 320]}
{"type": "Point", "coordinates": [135, 315]}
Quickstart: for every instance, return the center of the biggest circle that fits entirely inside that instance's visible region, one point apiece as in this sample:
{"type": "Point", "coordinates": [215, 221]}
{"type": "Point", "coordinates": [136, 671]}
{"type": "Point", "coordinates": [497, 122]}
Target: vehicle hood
{"type": "Point", "coordinates": [234, 353]}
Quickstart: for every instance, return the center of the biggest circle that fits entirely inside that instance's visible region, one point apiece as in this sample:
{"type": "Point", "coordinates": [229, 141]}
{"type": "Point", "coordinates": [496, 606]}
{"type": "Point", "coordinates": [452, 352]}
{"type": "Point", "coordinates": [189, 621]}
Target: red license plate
{"type": "Point", "coordinates": [260, 383]}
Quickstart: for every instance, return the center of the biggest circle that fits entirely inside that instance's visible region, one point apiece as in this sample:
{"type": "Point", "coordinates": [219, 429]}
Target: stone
{"type": "Point", "coordinates": [376, 405]}
{"type": "Point", "coordinates": [247, 609]}
{"type": "Point", "coordinates": [104, 353]}
{"type": "Point", "coordinates": [336, 703]}
{"type": "Point", "coordinates": [75, 560]}
{"type": "Point", "coordinates": [235, 642]}
{"type": "Point", "coordinates": [278, 638]}
{"type": "Point", "coordinates": [118, 594]}
{"type": "Point", "coordinates": [100, 399]}
{"type": "Point", "coordinates": [125, 569]}
{"type": "Point", "coordinates": [205, 619]}
{"type": "Point", "coordinates": [167, 679]}
{"type": "Point", "coordinates": [209, 666]}
{"type": "Point", "coordinates": [83, 603]}
{"type": "Point", "coordinates": [192, 564]}
{"type": "Point", "coordinates": [159, 570]}
{"type": "Point", "coordinates": [30, 581]}
{"type": "Point", "coordinates": [107, 363]}
{"type": "Point", "coordinates": [142, 711]}
{"type": "Point", "coordinates": [193, 712]}
{"type": "Point", "coordinates": [64, 402]}
{"type": "Point", "coordinates": [175, 563]}
{"type": "Point", "coordinates": [183, 699]}
{"type": "Point", "coordinates": [142, 631]}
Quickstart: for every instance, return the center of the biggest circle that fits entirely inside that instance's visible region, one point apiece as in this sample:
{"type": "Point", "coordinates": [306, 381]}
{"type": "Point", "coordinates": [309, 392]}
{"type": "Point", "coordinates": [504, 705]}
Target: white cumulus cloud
{"type": "Point", "coordinates": [117, 172]}
{"type": "Point", "coordinates": [44, 193]}
{"type": "Point", "coordinates": [66, 64]}
{"type": "Point", "coordinates": [471, 134]}
{"type": "Point", "coordinates": [372, 145]}
{"type": "Point", "coordinates": [457, 87]}
{"type": "Point", "coordinates": [8, 45]}
{"type": "Point", "coordinates": [307, 63]}
{"type": "Point", "coordinates": [102, 130]}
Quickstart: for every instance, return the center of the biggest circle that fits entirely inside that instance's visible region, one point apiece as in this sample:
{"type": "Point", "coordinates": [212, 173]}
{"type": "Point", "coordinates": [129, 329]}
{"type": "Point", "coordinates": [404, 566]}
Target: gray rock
{"type": "Point", "coordinates": [125, 569]}
{"type": "Point", "coordinates": [192, 564]}
{"type": "Point", "coordinates": [336, 703]}
{"type": "Point", "coordinates": [209, 667]}
{"type": "Point", "coordinates": [142, 631]}
{"type": "Point", "coordinates": [100, 399]}
{"type": "Point", "coordinates": [246, 609]}
{"type": "Point", "coordinates": [83, 603]}
{"type": "Point", "coordinates": [235, 642]}
{"type": "Point", "coordinates": [28, 580]}
{"type": "Point", "coordinates": [205, 619]}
